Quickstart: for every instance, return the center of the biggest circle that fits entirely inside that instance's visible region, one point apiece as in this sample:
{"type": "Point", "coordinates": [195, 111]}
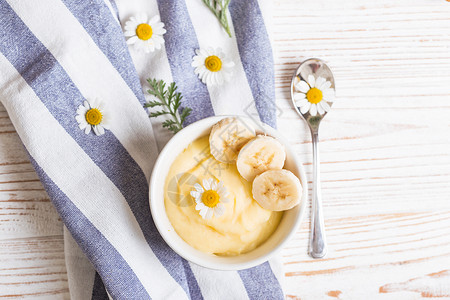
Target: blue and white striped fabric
{"type": "Point", "coordinates": [56, 53]}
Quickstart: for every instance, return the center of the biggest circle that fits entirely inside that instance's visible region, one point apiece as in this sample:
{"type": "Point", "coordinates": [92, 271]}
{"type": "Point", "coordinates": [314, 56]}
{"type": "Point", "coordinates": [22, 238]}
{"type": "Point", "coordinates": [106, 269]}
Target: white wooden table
{"type": "Point", "coordinates": [385, 154]}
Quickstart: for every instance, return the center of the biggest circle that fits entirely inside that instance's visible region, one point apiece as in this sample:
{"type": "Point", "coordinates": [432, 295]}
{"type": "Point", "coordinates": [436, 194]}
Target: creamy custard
{"type": "Point", "coordinates": [244, 226]}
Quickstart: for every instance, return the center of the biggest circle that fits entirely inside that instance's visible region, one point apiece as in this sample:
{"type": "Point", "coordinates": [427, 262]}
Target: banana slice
{"type": "Point", "coordinates": [277, 190]}
{"type": "Point", "coordinates": [227, 137]}
{"type": "Point", "coordinates": [259, 155]}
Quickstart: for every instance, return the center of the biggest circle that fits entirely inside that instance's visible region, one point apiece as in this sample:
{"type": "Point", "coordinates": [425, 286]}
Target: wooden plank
{"type": "Point", "coordinates": [33, 268]}
{"type": "Point", "coordinates": [32, 262]}
{"type": "Point", "coordinates": [385, 147]}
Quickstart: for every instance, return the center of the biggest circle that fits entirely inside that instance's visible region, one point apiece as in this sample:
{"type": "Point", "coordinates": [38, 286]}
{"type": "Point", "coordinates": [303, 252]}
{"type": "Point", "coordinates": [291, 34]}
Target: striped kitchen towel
{"type": "Point", "coordinates": [54, 54]}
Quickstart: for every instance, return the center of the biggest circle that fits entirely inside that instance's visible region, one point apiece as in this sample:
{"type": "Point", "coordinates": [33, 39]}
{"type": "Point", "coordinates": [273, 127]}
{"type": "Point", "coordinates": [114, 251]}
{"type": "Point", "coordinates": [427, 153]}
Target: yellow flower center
{"type": "Point", "coordinates": [144, 31]}
{"type": "Point", "coordinates": [314, 95]}
{"type": "Point", "coordinates": [210, 198]}
{"type": "Point", "coordinates": [94, 116]}
{"type": "Point", "coordinates": [213, 63]}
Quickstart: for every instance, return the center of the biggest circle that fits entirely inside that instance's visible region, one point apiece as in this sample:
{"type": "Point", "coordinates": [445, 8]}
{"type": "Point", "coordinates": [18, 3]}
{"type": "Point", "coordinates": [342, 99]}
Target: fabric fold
{"type": "Point", "coordinates": [55, 54]}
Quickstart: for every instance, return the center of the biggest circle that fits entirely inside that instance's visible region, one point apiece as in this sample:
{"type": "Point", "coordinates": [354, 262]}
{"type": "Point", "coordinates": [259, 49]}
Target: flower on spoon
{"type": "Point", "coordinates": [146, 35]}
{"type": "Point", "coordinates": [212, 66]}
{"type": "Point", "coordinates": [92, 115]}
{"type": "Point", "coordinates": [209, 198]}
{"type": "Point", "coordinates": [313, 94]}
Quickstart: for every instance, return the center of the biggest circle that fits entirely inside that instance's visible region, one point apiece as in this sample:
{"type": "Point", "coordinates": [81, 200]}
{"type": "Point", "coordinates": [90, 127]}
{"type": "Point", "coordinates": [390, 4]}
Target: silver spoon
{"type": "Point", "coordinates": [316, 68]}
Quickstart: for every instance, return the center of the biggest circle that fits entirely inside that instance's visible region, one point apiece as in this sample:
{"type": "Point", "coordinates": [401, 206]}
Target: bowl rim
{"type": "Point", "coordinates": [235, 265]}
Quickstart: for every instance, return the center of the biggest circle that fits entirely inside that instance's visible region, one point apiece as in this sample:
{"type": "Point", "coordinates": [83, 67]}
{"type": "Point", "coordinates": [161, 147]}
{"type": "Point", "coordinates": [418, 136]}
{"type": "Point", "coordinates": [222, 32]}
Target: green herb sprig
{"type": "Point", "coordinates": [219, 9]}
{"type": "Point", "coordinates": [170, 100]}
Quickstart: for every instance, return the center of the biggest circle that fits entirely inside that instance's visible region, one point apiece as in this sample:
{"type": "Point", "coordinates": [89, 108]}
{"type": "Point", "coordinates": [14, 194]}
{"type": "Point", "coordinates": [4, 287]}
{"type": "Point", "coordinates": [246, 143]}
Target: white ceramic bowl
{"type": "Point", "coordinates": [289, 223]}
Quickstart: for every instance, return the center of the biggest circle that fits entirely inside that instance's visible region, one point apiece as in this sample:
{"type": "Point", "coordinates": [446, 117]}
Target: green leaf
{"type": "Point", "coordinates": [170, 99]}
{"type": "Point", "coordinates": [158, 113]}
{"type": "Point", "coordinates": [221, 13]}
{"type": "Point", "coordinates": [153, 104]}
{"type": "Point", "coordinates": [169, 122]}
{"type": "Point", "coordinates": [186, 112]}
{"type": "Point", "coordinates": [177, 101]}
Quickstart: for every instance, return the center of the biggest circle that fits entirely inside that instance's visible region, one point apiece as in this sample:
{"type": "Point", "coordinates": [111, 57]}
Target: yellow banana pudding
{"type": "Point", "coordinates": [210, 205]}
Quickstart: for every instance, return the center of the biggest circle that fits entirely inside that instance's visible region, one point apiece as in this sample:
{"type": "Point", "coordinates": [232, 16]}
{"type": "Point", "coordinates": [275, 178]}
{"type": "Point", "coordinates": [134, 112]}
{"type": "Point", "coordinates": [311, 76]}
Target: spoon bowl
{"type": "Point", "coordinates": [316, 68]}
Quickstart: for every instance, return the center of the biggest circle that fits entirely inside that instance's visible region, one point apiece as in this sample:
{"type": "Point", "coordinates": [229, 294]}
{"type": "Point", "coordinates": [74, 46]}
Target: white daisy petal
{"type": "Point", "coordinates": [301, 102]}
{"type": "Point", "coordinates": [82, 126]}
{"type": "Point", "coordinates": [320, 109]}
{"type": "Point", "coordinates": [129, 26]}
{"type": "Point", "coordinates": [206, 184]}
{"type": "Point", "coordinates": [132, 40]}
{"type": "Point", "coordinates": [158, 41]}
{"type": "Point", "coordinates": [154, 20]}
{"type": "Point", "coordinates": [214, 78]}
{"type": "Point", "coordinates": [200, 70]}
{"type": "Point", "coordinates": [157, 26]}
{"type": "Point", "coordinates": [87, 129]}
{"type": "Point", "coordinates": [302, 86]}
{"type": "Point", "coordinates": [141, 18]}
{"type": "Point", "coordinates": [222, 191]}
{"type": "Point", "coordinates": [203, 53]}
{"type": "Point", "coordinates": [229, 64]}
{"type": "Point", "coordinates": [220, 79]}
{"type": "Point", "coordinates": [100, 129]}
{"type": "Point", "coordinates": [299, 96]}
{"type": "Point", "coordinates": [199, 188]}
{"type": "Point", "coordinates": [305, 108]}
{"type": "Point", "coordinates": [207, 78]}
{"type": "Point", "coordinates": [326, 85]}
{"type": "Point", "coordinates": [138, 45]}
{"type": "Point", "coordinates": [311, 80]}
{"type": "Point", "coordinates": [195, 194]}
{"type": "Point", "coordinates": [213, 185]}
{"type": "Point", "coordinates": [209, 214]}
{"type": "Point", "coordinates": [203, 212]}
{"type": "Point", "coordinates": [195, 63]}
{"type": "Point", "coordinates": [328, 95]}
{"type": "Point", "coordinates": [80, 119]}
{"type": "Point", "coordinates": [326, 107]}
{"type": "Point", "coordinates": [319, 81]}
{"type": "Point", "coordinates": [313, 110]}
{"type": "Point", "coordinates": [101, 105]}
{"type": "Point", "coordinates": [158, 33]}
{"type": "Point", "coordinates": [93, 103]}
{"type": "Point", "coordinates": [219, 210]}
{"type": "Point", "coordinates": [81, 110]}
{"type": "Point", "coordinates": [129, 33]}
{"type": "Point", "coordinates": [200, 206]}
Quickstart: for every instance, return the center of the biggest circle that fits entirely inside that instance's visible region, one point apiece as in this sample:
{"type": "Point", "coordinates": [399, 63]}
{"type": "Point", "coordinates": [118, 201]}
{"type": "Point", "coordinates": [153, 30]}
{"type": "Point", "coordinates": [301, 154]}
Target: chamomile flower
{"type": "Point", "coordinates": [146, 35]}
{"type": "Point", "coordinates": [212, 66]}
{"type": "Point", "coordinates": [209, 198]}
{"type": "Point", "coordinates": [92, 115]}
{"type": "Point", "coordinates": [313, 95]}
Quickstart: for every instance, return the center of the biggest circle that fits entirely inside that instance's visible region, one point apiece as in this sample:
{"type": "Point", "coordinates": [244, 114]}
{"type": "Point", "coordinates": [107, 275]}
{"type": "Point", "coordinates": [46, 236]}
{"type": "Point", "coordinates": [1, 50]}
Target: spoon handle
{"type": "Point", "coordinates": [318, 246]}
